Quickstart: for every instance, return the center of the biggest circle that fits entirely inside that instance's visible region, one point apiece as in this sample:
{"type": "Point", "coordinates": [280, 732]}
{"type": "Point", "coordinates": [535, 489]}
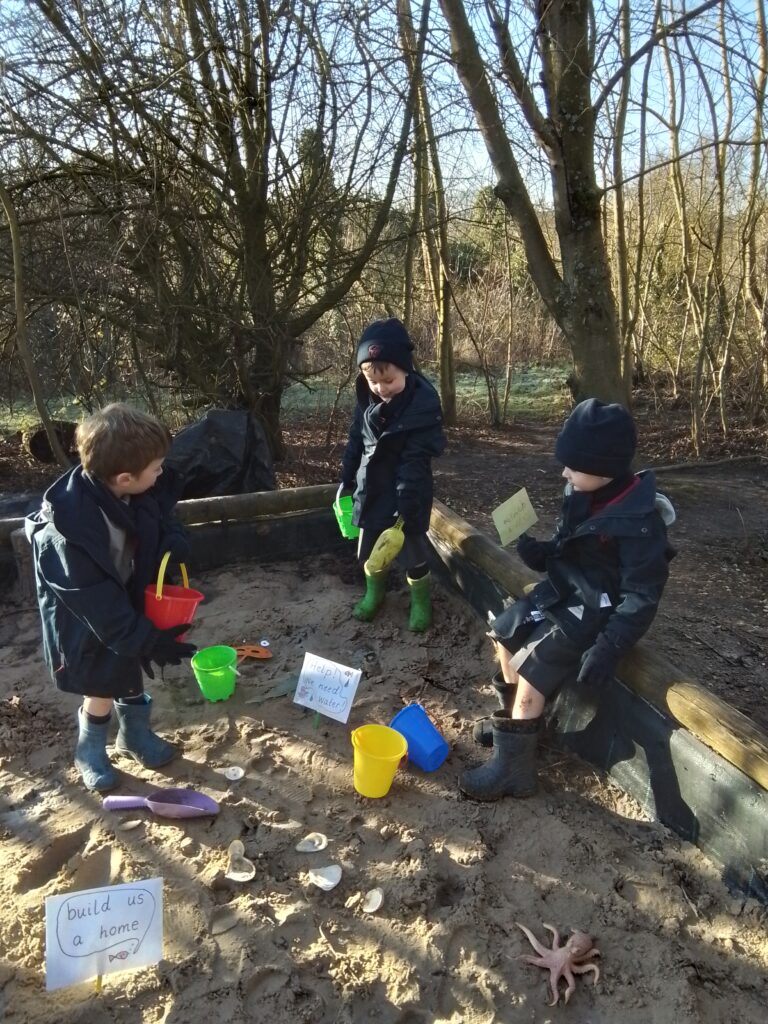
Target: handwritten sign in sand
{"type": "Point", "coordinates": [99, 931]}
{"type": "Point", "coordinates": [327, 687]}
{"type": "Point", "coordinates": [514, 516]}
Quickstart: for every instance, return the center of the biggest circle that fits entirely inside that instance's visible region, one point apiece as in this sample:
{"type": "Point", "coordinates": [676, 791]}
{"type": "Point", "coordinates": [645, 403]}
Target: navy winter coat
{"type": "Point", "coordinates": [388, 459]}
{"type": "Point", "coordinates": [93, 636]}
{"type": "Point", "coordinates": [606, 573]}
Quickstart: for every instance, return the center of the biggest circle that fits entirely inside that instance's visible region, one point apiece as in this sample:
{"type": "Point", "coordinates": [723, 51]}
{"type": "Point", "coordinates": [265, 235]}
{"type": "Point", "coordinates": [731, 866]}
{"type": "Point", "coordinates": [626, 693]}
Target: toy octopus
{"type": "Point", "coordinates": [562, 961]}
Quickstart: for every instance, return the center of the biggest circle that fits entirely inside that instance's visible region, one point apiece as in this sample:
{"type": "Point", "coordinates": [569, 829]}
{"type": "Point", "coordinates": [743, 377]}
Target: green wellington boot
{"type": "Point", "coordinates": [375, 585]}
{"type": "Point", "coordinates": [420, 617]}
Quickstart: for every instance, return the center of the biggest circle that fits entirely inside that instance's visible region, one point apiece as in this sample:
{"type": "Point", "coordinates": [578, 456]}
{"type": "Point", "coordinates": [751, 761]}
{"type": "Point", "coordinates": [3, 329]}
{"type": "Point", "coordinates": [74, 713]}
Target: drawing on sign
{"type": "Point", "coordinates": [96, 931]}
{"type": "Point", "coordinates": [514, 516]}
{"type": "Point", "coordinates": [327, 687]}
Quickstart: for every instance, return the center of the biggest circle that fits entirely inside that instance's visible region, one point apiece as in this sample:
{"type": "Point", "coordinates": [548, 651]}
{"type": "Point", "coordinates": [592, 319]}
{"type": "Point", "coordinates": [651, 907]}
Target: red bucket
{"type": "Point", "coordinates": [170, 606]}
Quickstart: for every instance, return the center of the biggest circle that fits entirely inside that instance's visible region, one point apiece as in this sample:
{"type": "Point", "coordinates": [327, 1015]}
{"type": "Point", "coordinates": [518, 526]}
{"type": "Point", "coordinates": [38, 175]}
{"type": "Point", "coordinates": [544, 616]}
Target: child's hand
{"type": "Point", "coordinates": [533, 552]}
{"type": "Point", "coordinates": [598, 664]}
{"type": "Point", "coordinates": [163, 648]}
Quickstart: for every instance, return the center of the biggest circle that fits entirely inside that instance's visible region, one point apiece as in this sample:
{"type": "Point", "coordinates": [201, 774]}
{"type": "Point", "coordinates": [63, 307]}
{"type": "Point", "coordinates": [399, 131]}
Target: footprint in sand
{"type": "Point", "coordinates": [458, 994]}
{"type": "Point", "coordinates": [40, 870]}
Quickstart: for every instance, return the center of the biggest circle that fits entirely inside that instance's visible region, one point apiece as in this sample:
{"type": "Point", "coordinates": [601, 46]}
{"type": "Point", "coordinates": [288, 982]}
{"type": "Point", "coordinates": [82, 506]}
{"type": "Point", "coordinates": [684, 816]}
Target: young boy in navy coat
{"type": "Point", "coordinates": [606, 568]}
{"type": "Point", "coordinates": [396, 432]}
{"type": "Point", "coordinates": [97, 542]}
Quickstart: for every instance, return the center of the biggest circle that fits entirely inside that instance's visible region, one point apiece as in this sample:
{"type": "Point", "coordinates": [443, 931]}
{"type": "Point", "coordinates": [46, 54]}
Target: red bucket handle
{"type": "Point", "coordinates": [161, 575]}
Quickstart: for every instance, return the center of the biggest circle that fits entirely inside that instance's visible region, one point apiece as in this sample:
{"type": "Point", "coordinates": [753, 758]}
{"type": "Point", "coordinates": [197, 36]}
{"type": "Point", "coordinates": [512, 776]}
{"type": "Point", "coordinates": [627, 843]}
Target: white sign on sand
{"type": "Point", "coordinates": [514, 516]}
{"type": "Point", "coordinates": [99, 931]}
{"type": "Point", "coordinates": [327, 687]}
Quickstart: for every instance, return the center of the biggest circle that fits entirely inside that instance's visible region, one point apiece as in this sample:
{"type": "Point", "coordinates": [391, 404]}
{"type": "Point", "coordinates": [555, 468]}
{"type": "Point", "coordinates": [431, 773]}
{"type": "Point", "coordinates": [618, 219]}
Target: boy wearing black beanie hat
{"type": "Point", "coordinates": [606, 567]}
{"type": "Point", "coordinates": [387, 465]}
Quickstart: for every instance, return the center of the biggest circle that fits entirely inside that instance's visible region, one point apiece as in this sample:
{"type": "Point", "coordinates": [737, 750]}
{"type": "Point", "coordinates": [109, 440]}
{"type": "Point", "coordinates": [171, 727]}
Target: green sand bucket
{"type": "Point", "coordinates": [342, 509]}
{"type": "Point", "coordinates": [215, 669]}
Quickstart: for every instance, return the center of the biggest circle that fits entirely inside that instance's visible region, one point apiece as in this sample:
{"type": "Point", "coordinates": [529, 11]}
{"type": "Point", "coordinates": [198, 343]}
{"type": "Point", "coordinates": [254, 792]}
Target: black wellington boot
{"type": "Point", "coordinates": [511, 770]}
{"type": "Point", "coordinates": [482, 732]}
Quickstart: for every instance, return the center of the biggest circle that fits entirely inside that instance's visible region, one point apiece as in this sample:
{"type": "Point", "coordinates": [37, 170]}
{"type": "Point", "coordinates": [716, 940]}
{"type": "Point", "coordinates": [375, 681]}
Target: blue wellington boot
{"type": "Point", "coordinates": [91, 754]}
{"type": "Point", "coordinates": [135, 738]}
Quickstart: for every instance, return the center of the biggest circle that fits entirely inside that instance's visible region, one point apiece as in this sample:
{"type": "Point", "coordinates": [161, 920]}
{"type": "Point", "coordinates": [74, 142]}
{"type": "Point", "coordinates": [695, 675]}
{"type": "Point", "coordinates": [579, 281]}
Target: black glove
{"type": "Point", "coordinates": [164, 648]}
{"type": "Point", "coordinates": [598, 663]}
{"type": "Point", "coordinates": [533, 552]}
{"type": "Point", "coordinates": [177, 542]}
{"type": "Point", "coordinates": [345, 491]}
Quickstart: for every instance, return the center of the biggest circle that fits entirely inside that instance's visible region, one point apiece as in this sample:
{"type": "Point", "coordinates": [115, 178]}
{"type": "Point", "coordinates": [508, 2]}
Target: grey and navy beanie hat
{"type": "Point", "coordinates": [598, 439]}
{"type": "Point", "coordinates": [386, 341]}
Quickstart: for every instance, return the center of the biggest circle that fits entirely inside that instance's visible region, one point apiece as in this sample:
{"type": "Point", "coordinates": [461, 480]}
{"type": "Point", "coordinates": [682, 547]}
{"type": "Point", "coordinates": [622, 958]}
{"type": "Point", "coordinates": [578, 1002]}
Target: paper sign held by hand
{"type": "Point", "coordinates": [99, 931]}
{"type": "Point", "coordinates": [514, 516]}
{"type": "Point", "coordinates": [327, 687]}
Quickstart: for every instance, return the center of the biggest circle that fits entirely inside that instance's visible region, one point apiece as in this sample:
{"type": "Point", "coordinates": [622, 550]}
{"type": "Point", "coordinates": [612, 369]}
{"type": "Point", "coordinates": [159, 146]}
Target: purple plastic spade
{"type": "Point", "coordinates": [168, 803]}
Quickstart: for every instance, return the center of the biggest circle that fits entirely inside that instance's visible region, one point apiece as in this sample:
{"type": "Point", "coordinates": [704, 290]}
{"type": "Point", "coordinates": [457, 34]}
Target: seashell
{"type": "Point", "coordinates": [312, 843]}
{"type": "Point", "coordinates": [128, 826]}
{"type": "Point", "coordinates": [326, 878]}
{"type": "Point", "coordinates": [373, 900]}
{"type": "Point", "coordinates": [234, 773]}
{"type": "Point", "coordinates": [240, 869]}
{"type": "Point", "coordinates": [263, 643]}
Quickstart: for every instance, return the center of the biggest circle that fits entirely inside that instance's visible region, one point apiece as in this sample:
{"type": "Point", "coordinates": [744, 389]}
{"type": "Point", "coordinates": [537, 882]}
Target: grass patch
{"type": "Point", "coordinates": [536, 392]}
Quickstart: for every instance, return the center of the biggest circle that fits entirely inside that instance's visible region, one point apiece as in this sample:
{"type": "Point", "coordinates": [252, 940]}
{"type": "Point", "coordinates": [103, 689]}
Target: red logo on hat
{"type": "Point", "coordinates": [374, 351]}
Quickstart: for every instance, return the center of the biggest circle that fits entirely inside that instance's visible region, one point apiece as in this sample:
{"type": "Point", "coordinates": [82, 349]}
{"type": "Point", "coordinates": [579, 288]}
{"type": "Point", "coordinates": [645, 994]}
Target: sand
{"type": "Point", "coordinates": [675, 945]}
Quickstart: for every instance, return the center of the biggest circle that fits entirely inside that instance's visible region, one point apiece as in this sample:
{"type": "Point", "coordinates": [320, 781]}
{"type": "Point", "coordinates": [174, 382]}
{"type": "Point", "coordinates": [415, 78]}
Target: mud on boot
{"type": "Point", "coordinates": [511, 769]}
{"type": "Point", "coordinates": [135, 737]}
{"type": "Point", "coordinates": [375, 586]}
{"type": "Point", "coordinates": [91, 754]}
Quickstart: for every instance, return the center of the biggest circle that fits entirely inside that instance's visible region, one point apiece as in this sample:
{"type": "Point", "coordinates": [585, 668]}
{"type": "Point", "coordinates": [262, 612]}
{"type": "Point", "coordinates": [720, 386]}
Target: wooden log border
{"type": "Point", "coordinates": [692, 761]}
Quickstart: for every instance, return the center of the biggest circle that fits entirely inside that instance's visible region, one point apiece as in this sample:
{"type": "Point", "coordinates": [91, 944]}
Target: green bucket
{"type": "Point", "coordinates": [342, 509]}
{"type": "Point", "coordinates": [215, 669]}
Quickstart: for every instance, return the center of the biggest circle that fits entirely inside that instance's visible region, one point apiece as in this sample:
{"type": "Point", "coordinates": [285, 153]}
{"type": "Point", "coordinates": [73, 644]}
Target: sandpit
{"type": "Point", "coordinates": [675, 946]}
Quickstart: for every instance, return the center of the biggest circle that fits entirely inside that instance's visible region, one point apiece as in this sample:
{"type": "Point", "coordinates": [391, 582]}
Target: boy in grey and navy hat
{"type": "Point", "coordinates": [606, 567]}
{"type": "Point", "coordinates": [396, 431]}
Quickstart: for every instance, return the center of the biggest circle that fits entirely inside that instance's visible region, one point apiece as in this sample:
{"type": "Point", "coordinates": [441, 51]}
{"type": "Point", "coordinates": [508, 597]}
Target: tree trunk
{"type": "Point", "coordinates": [25, 352]}
{"type": "Point", "coordinates": [581, 300]}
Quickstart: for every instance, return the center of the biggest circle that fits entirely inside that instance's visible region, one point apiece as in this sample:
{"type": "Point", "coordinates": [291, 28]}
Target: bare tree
{"type": "Point", "coordinates": [181, 125]}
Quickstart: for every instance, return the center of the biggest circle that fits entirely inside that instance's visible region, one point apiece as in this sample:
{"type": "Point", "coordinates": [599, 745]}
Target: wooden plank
{"type": "Point", "coordinates": [648, 673]}
{"type": "Point", "coordinates": [234, 507]}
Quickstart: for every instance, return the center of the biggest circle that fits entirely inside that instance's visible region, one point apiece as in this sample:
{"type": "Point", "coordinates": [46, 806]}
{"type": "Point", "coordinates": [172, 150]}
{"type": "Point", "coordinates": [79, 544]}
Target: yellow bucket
{"type": "Point", "coordinates": [378, 752]}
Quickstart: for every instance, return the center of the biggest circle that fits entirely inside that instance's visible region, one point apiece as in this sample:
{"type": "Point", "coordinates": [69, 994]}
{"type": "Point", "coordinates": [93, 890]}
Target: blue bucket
{"type": "Point", "coordinates": [427, 748]}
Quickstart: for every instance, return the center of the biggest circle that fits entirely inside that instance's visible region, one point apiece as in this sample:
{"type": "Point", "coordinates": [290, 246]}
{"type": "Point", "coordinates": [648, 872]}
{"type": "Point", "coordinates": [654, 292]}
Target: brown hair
{"type": "Point", "coordinates": [379, 366]}
{"type": "Point", "coordinates": [119, 439]}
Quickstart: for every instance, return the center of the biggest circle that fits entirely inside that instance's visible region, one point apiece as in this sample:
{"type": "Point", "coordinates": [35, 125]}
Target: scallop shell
{"type": "Point", "coordinates": [326, 878]}
{"type": "Point", "coordinates": [312, 843]}
{"type": "Point", "coordinates": [240, 869]}
{"type": "Point", "coordinates": [373, 900]}
{"type": "Point", "coordinates": [128, 826]}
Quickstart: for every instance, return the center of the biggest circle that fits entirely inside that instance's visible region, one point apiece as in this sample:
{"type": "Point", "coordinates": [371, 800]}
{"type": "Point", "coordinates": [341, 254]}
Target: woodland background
{"type": "Point", "coordinates": [206, 200]}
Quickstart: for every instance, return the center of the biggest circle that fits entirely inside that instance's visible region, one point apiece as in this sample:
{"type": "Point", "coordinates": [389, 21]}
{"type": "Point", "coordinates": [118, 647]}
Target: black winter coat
{"type": "Point", "coordinates": [606, 573]}
{"type": "Point", "coordinates": [388, 459]}
{"type": "Point", "coordinates": [93, 635]}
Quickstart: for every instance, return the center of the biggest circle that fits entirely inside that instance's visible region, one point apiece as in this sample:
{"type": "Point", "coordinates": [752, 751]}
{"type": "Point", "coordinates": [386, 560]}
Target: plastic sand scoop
{"type": "Point", "coordinates": [168, 803]}
{"type": "Point", "coordinates": [167, 606]}
{"type": "Point", "coordinates": [386, 549]}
